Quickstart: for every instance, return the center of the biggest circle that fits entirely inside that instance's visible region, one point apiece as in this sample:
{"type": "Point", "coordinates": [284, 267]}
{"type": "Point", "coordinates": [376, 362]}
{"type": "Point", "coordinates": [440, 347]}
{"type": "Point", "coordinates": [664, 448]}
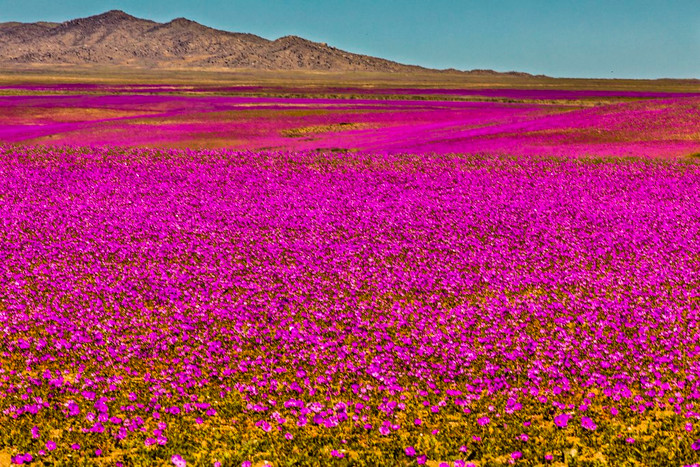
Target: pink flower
{"type": "Point", "coordinates": [336, 453]}
{"type": "Point", "coordinates": [696, 445]}
{"type": "Point", "coordinates": [22, 458]}
{"type": "Point", "coordinates": [630, 440]}
{"type": "Point", "coordinates": [688, 427]}
{"type": "Point", "coordinates": [421, 459]}
{"type": "Point", "coordinates": [178, 461]}
{"type": "Point", "coordinates": [75, 447]}
{"type": "Point", "coordinates": [516, 455]}
{"type": "Point", "coordinates": [417, 422]}
{"type": "Point", "coordinates": [588, 424]}
{"type": "Point", "coordinates": [264, 426]}
{"type": "Point", "coordinates": [483, 421]}
{"type": "Point", "coordinates": [50, 445]}
{"type": "Point", "coordinates": [35, 432]}
{"type": "Point", "coordinates": [288, 436]}
{"type": "Point", "coordinates": [548, 457]}
{"type": "Point", "coordinates": [562, 420]}
{"type": "Point", "coordinates": [384, 430]}
{"type": "Point", "coordinates": [410, 451]}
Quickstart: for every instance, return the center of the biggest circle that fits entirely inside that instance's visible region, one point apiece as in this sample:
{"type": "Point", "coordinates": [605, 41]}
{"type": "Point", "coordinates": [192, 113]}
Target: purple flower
{"type": "Point", "coordinates": [35, 432]}
{"type": "Point", "coordinates": [421, 459]}
{"type": "Point", "coordinates": [588, 424]}
{"type": "Point", "coordinates": [562, 420]}
{"type": "Point", "coordinates": [410, 451]}
{"type": "Point", "coordinates": [50, 445]}
{"type": "Point", "coordinates": [696, 445]}
{"type": "Point", "coordinates": [483, 421]}
{"type": "Point", "coordinates": [22, 458]}
{"type": "Point", "coordinates": [178, 461]}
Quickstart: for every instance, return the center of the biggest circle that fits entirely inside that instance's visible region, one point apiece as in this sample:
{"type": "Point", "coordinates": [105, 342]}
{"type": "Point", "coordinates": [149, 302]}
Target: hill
{"type": "Point", "coordinates": [116, 38]}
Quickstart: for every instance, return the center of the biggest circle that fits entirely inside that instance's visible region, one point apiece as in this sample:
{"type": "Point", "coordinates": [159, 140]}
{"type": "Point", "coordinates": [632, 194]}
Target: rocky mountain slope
{"type": "Point", "coordinates": [118, 39]}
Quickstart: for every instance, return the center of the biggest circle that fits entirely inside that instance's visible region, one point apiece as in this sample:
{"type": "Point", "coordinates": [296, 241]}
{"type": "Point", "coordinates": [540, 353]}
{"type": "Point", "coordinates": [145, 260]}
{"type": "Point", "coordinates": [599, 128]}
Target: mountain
{"type": "Point", "coordinates": [118, 39]}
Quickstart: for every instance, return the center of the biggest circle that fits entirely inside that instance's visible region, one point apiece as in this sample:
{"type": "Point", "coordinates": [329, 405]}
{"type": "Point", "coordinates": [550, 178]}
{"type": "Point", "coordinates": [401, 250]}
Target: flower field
{"type": "Point", "coordinates": [540, 122]}
{"type": "Point", "coordinates": [213, 307]}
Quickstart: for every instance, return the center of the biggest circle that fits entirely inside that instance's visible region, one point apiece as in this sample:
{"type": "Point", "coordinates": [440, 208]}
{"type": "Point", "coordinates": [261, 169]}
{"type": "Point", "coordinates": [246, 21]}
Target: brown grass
{"type": "Point", "coordinates": [243, 77]}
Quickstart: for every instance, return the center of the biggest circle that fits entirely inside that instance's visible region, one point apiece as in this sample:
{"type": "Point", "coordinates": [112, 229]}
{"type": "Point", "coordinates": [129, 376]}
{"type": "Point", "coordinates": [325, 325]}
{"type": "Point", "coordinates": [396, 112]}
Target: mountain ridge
{"type": "Point", "coordinates": [116, 38]}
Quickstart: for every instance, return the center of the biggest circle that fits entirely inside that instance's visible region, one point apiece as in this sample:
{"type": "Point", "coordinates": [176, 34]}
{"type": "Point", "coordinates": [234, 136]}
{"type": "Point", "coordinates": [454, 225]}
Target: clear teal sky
{"type": "Point", "coordinates": [585, 38]}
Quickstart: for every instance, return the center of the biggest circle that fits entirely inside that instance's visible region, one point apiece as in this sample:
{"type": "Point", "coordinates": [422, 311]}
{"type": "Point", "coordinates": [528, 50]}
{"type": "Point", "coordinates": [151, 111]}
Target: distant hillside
{"type": "Point", "coordinates": [115, 38]}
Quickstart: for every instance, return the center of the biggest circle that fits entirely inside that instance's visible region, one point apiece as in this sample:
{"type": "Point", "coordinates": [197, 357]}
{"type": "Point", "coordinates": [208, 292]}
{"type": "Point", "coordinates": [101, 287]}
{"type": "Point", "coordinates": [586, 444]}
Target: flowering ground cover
{"type": "Point", "coordinates": [217, 307]}
{"type": "Point", "coordinates": [519, 122]}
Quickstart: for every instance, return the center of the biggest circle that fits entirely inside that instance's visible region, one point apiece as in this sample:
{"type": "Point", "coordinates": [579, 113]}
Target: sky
{"type": "Point", "coordinates": [584, 38]}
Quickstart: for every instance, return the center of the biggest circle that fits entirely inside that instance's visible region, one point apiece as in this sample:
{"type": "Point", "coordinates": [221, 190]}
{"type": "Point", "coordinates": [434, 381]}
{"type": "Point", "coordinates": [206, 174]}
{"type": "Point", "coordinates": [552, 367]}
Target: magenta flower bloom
{"type": "Point", "coordinates": [588, 424]}
{"type": "Point", "coordinates": [483, 421]}
{"type": "Point", "coordinates": [630, 440]}
{"type": "Point", "coordinates": [696, 445]}
{"type": "Point", "coordinates": [22, 458]}
{"type": "Point", "coordinates": [50, 445]}
{"type": "Point", "coordinates": [562, 420]}
{"type": "Point", "coordinates": [178, 461]}
{"type": "Point", "coordinates": [75, 447]}
{"type": "Point", "coordinates": [73, 409]}
{"type": "Point", "coordinates": [410, 451]}
{"type": "Point", "coordinates": [35, 432]}
{"type": "Point", "coordinates": [288, 436]}
{"type": "Point", "coordinates": [516, 455]}
{"type": "Point", "coordinates": [417, 421]}
{"type": "Point", "coordinates": [422, 459]}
